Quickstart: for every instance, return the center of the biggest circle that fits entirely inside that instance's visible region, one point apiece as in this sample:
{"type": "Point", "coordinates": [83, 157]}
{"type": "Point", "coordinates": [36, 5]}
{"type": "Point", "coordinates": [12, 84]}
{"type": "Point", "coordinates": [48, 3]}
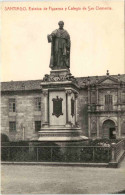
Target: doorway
{"type": "Point", "coordinates": [112, 133]}
{"type": "Point", "coordinates": [109, 130]}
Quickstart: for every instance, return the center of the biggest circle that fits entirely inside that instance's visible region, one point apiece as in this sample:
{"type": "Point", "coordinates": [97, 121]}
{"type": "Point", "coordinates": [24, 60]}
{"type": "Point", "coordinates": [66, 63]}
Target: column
{"type": "Point", "coordinates": [119, 126]}
{"type": "Point", "coordinates": [119, 99]}
{"type": "Point", "coordinates": [76, 109]}
{"type": "Point", "coordinates": [68, 106]}
{"type": "Point", "coordinates": [119, 115]}
{"type": "Point", "coordinates": [89, 125]}
{"type": "Point", "coordinates": [97, 99]}
{"type": "Point", "coordinates": [45, 93]}
{"type": "Point", "coordinates": [97, 127]}
{"type": "Point", "coordinates": [89, 100]}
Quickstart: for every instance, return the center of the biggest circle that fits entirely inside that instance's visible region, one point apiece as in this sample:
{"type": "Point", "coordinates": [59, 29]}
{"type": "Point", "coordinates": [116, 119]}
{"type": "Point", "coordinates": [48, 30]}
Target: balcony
{"type": "Point", "coordinates": [104, 108]}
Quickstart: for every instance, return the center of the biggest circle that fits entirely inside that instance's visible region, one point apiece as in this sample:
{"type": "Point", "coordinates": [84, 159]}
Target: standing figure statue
{"type": "Point", "coordinates": [60, 48]}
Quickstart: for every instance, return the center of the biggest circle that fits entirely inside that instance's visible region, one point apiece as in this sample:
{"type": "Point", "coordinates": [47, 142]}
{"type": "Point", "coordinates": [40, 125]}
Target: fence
{"type": "Point", "coordinates": [117, 151]}
{"type": "Point", "coordinates": [91, 154]}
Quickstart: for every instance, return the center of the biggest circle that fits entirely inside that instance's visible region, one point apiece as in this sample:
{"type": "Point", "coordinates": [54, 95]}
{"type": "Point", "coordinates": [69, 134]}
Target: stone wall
{"type": "Point", "coordinates": [82, 111]}
{"type": "Point", "coordinates": [25, 115]}
{"type": "Point", "coordinates": [104, 92]}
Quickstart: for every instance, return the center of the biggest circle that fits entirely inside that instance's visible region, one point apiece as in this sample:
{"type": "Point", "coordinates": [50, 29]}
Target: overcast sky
{"type": "Point", "coordinates": [97, 38]}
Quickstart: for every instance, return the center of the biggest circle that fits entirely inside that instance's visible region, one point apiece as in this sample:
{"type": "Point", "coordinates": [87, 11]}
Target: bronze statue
{"type": "Point", "coordinates": [60, 48]}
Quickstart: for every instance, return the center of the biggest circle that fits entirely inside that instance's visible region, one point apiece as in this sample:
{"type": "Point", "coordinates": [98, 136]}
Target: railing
{"type": "Point", "coordinates": [117, 151]}
{"type": "Point", "coordinates": [91, 154]}
{"type": "Point", "coordinates": [102, 108]}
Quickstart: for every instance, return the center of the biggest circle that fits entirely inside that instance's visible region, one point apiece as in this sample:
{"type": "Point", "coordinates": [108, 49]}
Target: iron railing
{"type": "Point", "coordinates": [56, 153]}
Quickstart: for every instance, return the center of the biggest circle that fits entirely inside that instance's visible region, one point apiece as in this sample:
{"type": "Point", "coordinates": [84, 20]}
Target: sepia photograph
{"type": "Point", "coordinates": [62, 97]}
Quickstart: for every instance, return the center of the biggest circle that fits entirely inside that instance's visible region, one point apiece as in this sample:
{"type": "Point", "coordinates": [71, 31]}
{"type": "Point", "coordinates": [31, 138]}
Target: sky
{"type": "Point", "coordinates": [97, 37]}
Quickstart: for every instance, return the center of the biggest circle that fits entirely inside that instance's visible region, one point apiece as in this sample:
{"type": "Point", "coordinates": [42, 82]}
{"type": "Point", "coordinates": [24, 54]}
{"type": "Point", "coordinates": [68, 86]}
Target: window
{"type": "Point", "coordinates": [12, 105]}
{"type": "Point", "coordinates": [123, 97]}
{"type": "Point", "coordinates": [108, 102]}
{"type": "Point", "coordinates": [93, 107]}
{"type": "Point", "coordinates": [12, 126]}
{"type": "Point", "coordinates": [37, 125]}
{"type": "Point", "coordinates": [94, 129]}
{"type": "Point", "coordinates": [93, 97]}
{"type": "Point", "coordinates": [38, 104]}
{"type": "Point", "coordinates": [123, 129]}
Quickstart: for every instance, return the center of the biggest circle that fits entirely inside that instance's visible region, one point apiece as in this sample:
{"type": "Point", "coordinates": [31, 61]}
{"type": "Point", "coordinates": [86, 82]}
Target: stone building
{"type": "Point", "coordinates": [101, 107]}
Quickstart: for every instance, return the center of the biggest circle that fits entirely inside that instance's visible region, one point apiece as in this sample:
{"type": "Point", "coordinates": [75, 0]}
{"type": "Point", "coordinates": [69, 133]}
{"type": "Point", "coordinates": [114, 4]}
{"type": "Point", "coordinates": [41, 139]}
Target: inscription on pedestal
{"type": "Point", "coordinates": [57, 106]}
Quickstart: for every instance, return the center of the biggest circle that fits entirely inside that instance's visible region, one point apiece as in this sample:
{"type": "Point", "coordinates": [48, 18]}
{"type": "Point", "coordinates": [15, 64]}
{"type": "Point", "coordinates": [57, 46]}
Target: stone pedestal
{"type": "Point", "coordinates": [60, 90]}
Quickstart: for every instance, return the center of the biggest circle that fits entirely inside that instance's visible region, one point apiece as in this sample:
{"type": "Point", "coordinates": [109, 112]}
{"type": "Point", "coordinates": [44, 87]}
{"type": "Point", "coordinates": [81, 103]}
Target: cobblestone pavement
{"type": "Point", "coordinates": [24, 179]}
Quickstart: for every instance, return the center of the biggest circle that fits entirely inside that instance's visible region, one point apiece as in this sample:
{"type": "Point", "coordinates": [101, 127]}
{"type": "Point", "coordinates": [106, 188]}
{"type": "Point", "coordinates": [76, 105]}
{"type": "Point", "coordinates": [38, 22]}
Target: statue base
{"type": "Point", "coordinates": [61, 134]}
{"type": "Point", "coordinates": [60, 90]}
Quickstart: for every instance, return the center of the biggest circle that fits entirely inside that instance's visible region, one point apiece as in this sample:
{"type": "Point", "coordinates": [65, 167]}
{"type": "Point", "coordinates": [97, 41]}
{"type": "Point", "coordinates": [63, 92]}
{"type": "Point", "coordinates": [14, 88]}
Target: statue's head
{"type": "Point", "coordinates": [61, 24]}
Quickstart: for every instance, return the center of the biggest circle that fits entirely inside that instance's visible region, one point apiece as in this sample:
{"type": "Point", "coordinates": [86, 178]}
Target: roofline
{"type": "Point", "coordinates": [75, 77]}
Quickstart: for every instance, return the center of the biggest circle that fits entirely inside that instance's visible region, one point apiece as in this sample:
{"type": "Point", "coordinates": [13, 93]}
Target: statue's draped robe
{"type": "Point", "coordinates": [60, 48]}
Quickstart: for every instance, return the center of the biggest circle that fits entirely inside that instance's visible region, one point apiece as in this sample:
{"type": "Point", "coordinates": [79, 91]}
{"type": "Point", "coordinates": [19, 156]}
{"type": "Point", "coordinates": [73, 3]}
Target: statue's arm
{"type": "Point", "coordinates": [51, 36]}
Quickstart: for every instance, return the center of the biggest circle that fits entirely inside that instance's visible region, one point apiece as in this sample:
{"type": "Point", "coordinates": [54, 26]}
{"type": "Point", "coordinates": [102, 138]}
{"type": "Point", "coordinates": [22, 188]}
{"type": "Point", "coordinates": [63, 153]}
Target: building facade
{"type": "Point", "coordinates": [101, 108]}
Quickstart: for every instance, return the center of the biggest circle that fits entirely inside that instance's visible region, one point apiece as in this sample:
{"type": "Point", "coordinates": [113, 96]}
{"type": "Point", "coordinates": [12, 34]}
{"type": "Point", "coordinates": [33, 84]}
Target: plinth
{"type": "Point", "coordinates": [60, 90]}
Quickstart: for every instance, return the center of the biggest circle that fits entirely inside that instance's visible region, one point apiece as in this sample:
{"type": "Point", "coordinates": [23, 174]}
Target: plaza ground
{"type": "Point", "coordinates": [36, 179]}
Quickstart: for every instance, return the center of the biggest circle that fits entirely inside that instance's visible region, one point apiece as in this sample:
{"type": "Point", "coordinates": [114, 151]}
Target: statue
{"type": "Point", "coordinates": [60, 48]}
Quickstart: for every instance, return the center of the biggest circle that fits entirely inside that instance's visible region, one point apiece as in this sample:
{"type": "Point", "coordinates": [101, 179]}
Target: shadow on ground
{"type": "Point", "coordinates": [121, 192]}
